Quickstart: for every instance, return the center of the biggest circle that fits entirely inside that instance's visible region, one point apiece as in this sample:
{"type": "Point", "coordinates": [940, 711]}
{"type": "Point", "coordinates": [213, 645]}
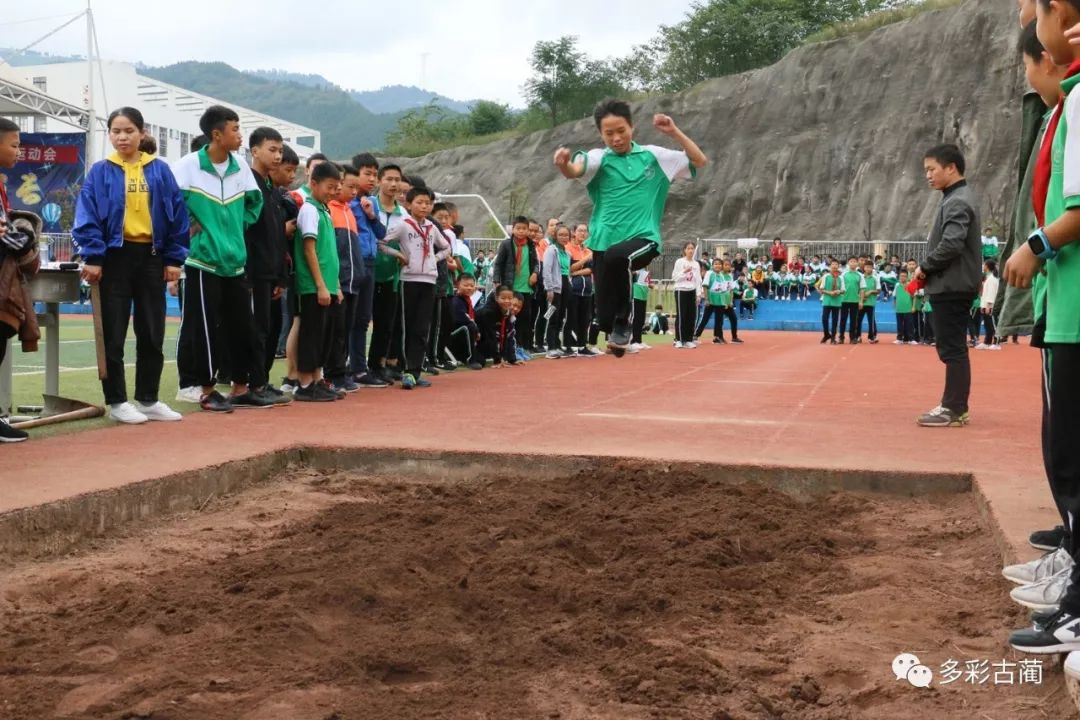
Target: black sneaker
{"type": "Point", "coordinates": [840, 341]}
{"type": "Point", "coordinates": [476, 366]}
{"type": "Point", "coordinates": [1049, 540]}
{"type": "Point", "coordinates": [719, 341]}
{"type": "Point", "coordinates": [737, 341]}
{"type": "Point", "coordinates": [943, 417]}
{"type": "Point", "coordinates": [338, 393]}
{"type": "Point", "coordinates": [345, 385]}
{"type": "Point", "coordinates": [313, 393]}
{"type": "Point", "coordinates": [370, 380]}
{"type": "Point", "coordinates": [587, 352]}
{"type": "Point", "coordinates": [430, 370]}
{"type": "Point", "coordinates": [446, 367]}
{"type": "Point", "coordinates": [278, 396]}
{"type": "Point", "coordinates": [215, 402]}
{"type": "Point", "coordinates": [1060, 634]}
{"type": "Point", "coordinates": [825, 339]}
{"type": "Point", "coordinates": [392, 374]}
{"type": "Point", "coordinates": [252, 400]}
{"type": "Point", "coordinates": [9, 434]}
{"type": "Point", "coordinates": [1040, 620]}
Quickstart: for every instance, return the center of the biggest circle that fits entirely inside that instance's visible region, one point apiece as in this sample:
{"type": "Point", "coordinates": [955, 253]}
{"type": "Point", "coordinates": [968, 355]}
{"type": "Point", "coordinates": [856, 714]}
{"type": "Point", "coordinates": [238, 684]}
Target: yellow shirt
{"type": "Point", "coordinates": [137, 224]}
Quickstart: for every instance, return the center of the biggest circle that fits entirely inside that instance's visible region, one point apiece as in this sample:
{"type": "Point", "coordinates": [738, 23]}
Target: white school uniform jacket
{"type": "Point", "coordinates": [989, 292]}
{"type": "Point", "coordinates": [423, 246]}
{"type": "Point", "coordinates": [687, 275]}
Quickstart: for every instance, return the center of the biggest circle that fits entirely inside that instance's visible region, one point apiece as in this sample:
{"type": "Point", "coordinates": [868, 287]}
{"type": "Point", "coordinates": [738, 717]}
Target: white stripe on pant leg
{"type": "Point", "coordinates": [1046, 377]}
{"type": "Point", "coordinates": [206, 325]}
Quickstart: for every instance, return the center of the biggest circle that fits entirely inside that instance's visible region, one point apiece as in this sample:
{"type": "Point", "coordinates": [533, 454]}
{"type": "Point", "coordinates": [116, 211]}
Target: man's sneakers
{"type": "Point", "coordinates": [345, 385]}
{"type": "Point", "coordinates": [127, 414]}
{"type": "Point", "coordinates": [555, 354]}
{"type": "Point", "coordinates": [315, 393]}
{"type": "Point", "coordinates": [9, 434]}
{"type": "Point", "coordinates": [737, 341]}
{"type": "Point", "coordinates": [1044, 595]}
{"type": "Point", "coordinates": [1032, 572]}
{"type": "Point", "coordinates": [943, 417]}
{"type": "Point", "coordinates": [159, 412]}
{"type": "Point", "coordinates": [1048, 539]}
{"type": "Point", "coordinates": [474, 365]}
{"type": "Point", "coordinates": [638, 347]}
{"type": "Point", "coordinates": [719, 341]}
{"type": "Point", "coordinates": [191, 395]}
{"type": "Point", "coordinates": [679, 345]}
{"type": "Point", "coordinates": [368, 381]}
{"type": "Point", "coordinates": [522, 355]}
{"type": "Point", "coordinates": [589, 352]}
{"type": "Point", "coordinates": [252, 400]}
{"type": "Point", "coordinates": [278, 396]}
{"type": "Point", "coordinates": [408, 382]}
{"type": "Point", "coordinates": [289, 385]}
{"type": "Point", "coordinates": [215, 402]}
{"type": "Point", "coordinates": [1061, 634]}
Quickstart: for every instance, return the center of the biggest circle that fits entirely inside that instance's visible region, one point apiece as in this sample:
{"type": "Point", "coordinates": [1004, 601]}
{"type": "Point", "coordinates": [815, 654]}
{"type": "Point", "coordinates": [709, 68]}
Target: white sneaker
{"type": "Point", "coordinates": [692, 345]}
{"type": "Point", "coordinates": [1039, 569]}
{"type": "Point", "coordinates": [633, 349]}
{"type": "Point", "coordinates": [982, 346]}
{"type": "Point", "coordinates": [994, 347]}
{"type": "Point", "coordinates": [1044, 595]}
{"type": "Point", "coordinates": [555, 354]}
{"type": "Point", "coordinates": [913, 342]}
{"type": "Point", "coordinates": [191, 395]}
{"type": "Point", "coordinates": [1072, 665]}
{"type": "Point", "coordinates": [127, 414]}
{"type": "Point", "coordinates": [159, 412]}
{"type": "Point", "coordinates": [898, 342]}
{"type": "Point", "coordinates": [638, 347]}
{"type": "Point", "coordinates": [643, 346]}
{"type": "Point", "coordinates": [681, 345]}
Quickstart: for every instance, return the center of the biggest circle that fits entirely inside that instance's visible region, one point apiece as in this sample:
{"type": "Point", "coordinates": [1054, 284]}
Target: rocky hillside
{"type": "Point", "coordinates": [807, 147]}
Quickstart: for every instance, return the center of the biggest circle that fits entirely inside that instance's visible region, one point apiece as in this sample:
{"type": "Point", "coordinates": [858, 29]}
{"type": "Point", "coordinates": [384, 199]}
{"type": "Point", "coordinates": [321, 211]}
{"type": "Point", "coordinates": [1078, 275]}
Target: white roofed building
{"type": "Point", "coordinates": [47, 98]}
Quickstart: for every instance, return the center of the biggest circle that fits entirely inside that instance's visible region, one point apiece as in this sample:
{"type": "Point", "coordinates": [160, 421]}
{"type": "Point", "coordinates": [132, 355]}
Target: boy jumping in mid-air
{"type": "Point", "coordinates": [628, 184]}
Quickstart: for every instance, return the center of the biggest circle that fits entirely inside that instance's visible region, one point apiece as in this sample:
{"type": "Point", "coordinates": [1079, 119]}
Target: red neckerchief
{"type": "Point", "coordinates": [502, 332]}
{"type": "Point", "coordinates": [520, 247]}
{"type": "Point", "coordinates": [1044, 165]}
{"type": "Point", "coordinates": [423, 236]}
{"type": "Point", "coordinates": [469, 308]}
{"type": "Point", "coordinates": [4, 204]}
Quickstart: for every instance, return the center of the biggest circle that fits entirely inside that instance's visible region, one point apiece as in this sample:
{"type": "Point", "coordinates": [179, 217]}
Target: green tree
{"type": "Point", "coordinates": [488, 117]}
{"type": "Point", "coordinates": [724, 37]}
{"type": "Point", "coordinates": [566, 84]}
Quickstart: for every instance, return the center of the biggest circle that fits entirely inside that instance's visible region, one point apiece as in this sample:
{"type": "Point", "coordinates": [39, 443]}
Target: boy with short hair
{"type": "Point", "coordinates": [351, 271]}
{"type": "Point", "coordinates": [223, 200]}
{"type": "Point", "coordinates": [423, 246]}
{"type": "Point", "coordinates": [849, 302]}
{"type": "Point", "coordinates": [465, 337]}
{"type": "Point", "coordinates": [831, 289]}
{"type": "Point", "coordinates": [370, 227]}
{"type": "Point", "coordinates": [748, 301]}
{"type": "Point", "coordinates": [517, 267]}
{"type": "Point", "coordinates": [386, 302]}
{"type": "Point", "coordinates": [267, 254]}
{"type": "Point", "coordinates": [905, 312]}
{"type": "Point", "coordinates": [495, 322]}
{"type": "Point", "coordinates": [628, 184]}
{"type": "Point", "coordinates": [318, 284]}
{"type": "Point", "coordinates": [868, 292]}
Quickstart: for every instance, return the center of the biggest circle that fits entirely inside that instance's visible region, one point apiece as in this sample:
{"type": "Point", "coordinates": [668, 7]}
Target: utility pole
{"type": "Point", "coordinates": [91, 120]}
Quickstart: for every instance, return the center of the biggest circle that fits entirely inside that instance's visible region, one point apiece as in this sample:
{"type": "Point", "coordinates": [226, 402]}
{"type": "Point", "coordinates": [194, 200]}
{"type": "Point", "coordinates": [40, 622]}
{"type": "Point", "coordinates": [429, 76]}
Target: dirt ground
{"type": "Point", "coordinates": [622, 594]}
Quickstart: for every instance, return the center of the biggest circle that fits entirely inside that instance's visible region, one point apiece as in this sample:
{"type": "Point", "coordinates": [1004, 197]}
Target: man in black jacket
{"type": "Point", "coordinates": [952, 273]}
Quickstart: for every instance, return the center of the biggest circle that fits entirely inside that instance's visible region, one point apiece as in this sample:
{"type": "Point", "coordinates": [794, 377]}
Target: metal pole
{"type": "Point", "coordinates": [91, 118]}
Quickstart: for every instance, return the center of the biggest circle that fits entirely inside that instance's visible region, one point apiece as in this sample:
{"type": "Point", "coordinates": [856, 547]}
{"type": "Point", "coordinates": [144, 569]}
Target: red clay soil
{"type": "Point", "coordinates": [624, 593]}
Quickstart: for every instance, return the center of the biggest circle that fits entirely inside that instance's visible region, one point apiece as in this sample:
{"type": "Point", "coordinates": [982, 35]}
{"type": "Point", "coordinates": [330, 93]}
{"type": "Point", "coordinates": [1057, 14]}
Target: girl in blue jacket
{"type": "Point", "coordinates": [132, 231]}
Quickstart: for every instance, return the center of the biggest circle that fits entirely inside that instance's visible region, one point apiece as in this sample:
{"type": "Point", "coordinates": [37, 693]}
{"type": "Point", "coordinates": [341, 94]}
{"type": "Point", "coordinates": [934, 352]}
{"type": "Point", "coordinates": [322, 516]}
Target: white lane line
{"type": "Point", "coordinates": [695, 420]}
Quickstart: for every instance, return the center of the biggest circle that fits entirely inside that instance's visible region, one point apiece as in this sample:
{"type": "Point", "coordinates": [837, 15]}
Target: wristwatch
{"type": "Point", "coordinates": [1040, 245]}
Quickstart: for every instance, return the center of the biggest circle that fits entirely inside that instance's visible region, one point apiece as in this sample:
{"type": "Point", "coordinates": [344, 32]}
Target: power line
{"type": "Point", "coordinates": [10, 23]}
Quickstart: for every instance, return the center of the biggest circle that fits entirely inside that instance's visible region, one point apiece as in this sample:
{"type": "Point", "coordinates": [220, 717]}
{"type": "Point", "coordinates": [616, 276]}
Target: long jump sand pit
{"type": "Point", "coordinates": [616, 591]}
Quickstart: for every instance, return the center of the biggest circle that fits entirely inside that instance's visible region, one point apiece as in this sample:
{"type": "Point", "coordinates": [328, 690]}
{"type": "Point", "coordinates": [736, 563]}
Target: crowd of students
{"type": "Point", "coordinates": [360, 248]}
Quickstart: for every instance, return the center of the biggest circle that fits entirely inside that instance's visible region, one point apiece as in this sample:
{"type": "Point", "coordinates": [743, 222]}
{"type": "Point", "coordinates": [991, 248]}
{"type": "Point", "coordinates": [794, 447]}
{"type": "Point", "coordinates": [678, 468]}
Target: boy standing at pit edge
{"type": "Point", "coordinates": [628, 184]}
{"type": "Point", "coordinates": [223, 200]}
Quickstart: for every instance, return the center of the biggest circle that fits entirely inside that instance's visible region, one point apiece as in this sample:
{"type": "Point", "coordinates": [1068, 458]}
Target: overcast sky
{"type": "Point", "coordinates": [478, 48]}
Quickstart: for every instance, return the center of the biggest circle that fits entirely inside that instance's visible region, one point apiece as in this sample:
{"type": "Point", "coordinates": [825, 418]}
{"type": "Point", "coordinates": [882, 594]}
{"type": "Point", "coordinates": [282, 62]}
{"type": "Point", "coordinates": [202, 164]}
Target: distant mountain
{"type": "Point", "coordinates": [398, 98]}
{"type": "Point", "coordinates": [32, 57]}
{"type": "Point", "coordinates": [347, 127]}
{"type": "Point", "coordinates": [316, 81]}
